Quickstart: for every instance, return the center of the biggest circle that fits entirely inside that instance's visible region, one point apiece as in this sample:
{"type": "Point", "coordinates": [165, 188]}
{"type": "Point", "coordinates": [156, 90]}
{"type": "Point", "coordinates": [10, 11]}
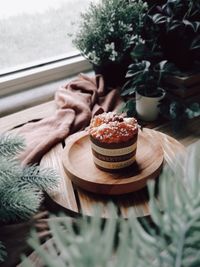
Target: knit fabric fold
{"type": "Point", "coordinates": [76, 103]}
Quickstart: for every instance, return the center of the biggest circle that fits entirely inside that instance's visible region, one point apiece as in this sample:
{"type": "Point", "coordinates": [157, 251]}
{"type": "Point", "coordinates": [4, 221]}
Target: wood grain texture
{"type": "Point", "coordinates": [172, 143]}
{"type": "Point", "coordinates": [138, 202]}
{"type": "Point", "coordinates": [187, 136]}
{"type": "Point", "coordinates": [19, 118]}
{"type": "Point", "coordinates": [79, 165]}
{"type": "Point", "coordinates": [64, 193]}
{"type": "Point", "coordinates": [89, 202]}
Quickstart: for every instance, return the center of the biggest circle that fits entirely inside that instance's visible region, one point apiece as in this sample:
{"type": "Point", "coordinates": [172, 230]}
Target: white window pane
{"type": "Point", "coordinates": [35, 31]}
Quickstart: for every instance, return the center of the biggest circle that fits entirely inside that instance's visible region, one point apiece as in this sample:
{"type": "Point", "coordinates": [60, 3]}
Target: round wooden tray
{"type": "Point", "coordinates": [78, 163]}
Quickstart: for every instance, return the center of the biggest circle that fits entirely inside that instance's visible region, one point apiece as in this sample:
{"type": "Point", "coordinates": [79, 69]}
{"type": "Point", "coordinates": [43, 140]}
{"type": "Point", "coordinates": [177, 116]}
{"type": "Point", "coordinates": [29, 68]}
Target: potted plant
{"type": "Point", "coordinates": [175, 27]}
{"type": "Point", "coordinates": [144, 80]}
{"type": "Point", "coordinates": [107, 33]}
{"type": "Point", "coordinates": [172, 31]}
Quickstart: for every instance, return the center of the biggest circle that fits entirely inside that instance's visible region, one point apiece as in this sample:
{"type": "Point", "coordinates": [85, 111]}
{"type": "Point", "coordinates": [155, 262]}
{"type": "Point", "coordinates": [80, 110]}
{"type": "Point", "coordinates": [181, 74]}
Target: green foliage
{"type": "Point", "coordinates": [18, 201]}
{"type": "Point", "coordinates": [170, 44]}
{"type": "Point", "coordinates": [10, 146]}
{"type": "Point", "coordinates": [144, 77]}
{"type": "Point", "coordinates": [173, 240]}
{"type": "Point", "coordinates": [109, 28]}
{"type": "Point", "coordinates": [177, 216]}
{"type": "Point", "coordinates": [175, 27]}
{"type": "Point", "coordinates": [129, 108]}
{"type": "Point", "coordinates": [177, 13]}
{"type": "Point", "coordinates": [40, 177]}
{"type": "Point", "coordinates": [20, 187]}
{"type": "Point", "coordinates": [2, 252]}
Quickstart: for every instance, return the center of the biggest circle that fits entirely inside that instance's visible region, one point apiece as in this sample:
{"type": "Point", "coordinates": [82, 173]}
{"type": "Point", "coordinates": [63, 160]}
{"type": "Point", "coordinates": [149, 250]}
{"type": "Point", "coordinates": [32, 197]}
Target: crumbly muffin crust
{"type": "Point", "coordinates": [113, 128]}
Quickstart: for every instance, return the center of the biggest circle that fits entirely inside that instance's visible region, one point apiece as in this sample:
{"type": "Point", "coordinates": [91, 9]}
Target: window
{"type": "Point", "coordinates": [34, 33]}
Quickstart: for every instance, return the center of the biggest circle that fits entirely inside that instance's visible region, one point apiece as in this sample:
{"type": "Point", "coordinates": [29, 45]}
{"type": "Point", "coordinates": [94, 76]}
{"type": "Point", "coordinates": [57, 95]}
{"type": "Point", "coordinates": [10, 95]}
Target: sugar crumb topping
{"type": "Point", "coordinates": [113, 128]}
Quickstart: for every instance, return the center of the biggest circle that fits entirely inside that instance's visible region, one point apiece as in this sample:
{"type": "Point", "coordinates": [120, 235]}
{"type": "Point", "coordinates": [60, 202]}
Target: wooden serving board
{"type": "Point", "coordinates": [72, 199]}
{"type": "Point", "coordinates": [78, 162]}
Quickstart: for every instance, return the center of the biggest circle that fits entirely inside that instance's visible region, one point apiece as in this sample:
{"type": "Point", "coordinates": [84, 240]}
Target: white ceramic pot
{"type": "Point", "coordinates": [147, 107]}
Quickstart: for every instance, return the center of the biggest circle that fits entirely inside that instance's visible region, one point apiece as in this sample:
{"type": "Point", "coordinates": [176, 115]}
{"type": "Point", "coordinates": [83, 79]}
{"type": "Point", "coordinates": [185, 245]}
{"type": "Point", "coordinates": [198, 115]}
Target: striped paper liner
{"type": "Point", "coordinates": [112, 157]}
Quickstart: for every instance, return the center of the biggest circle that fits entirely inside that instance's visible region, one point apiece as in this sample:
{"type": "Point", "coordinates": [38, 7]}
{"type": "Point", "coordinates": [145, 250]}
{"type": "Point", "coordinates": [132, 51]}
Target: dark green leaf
{"type": "Point", "coordinates": [195, 44]}
{"type": "Point", "coordinates": [3, 253]}
{"type": "Point", "coordinates": [139, 51]}
{"type": "Point", "coordinates": [174, 25]}
{"type": "Point", "coordinates": [159, 19]}
{"type": "Point", "coordinates": [188, 23]}
{"type": "Point", "coordinates": [196, 26]}
{"type": "Point", "coordinates": [128, 91]}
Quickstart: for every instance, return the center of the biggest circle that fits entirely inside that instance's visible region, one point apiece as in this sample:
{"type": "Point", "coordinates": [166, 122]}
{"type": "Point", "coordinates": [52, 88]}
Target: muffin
{"type": "Point", "coordinates": [113, 141]}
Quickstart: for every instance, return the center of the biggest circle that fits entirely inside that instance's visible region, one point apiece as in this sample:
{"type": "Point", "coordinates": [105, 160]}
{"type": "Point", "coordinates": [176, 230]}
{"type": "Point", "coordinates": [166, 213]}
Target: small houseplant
{"type": "Point", "coordinates": [172, 31]}
{"type": "Point", "coordinates": [107, 33]}
{"type": "Point", "coordinates": [144, 80]}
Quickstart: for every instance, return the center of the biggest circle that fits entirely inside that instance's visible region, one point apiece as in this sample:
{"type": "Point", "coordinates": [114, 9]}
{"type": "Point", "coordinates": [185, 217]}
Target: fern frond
{"type": "Point", "coordinates": [20, 187]}
{"type": "Point", "coordinates": [82, 248]}
{"type": "Point", "coordinates": [179, 220]}
{"type": "Point", "coordinates": [44, 178]}
{"type": "Point", "coordinates": [10, 145]}
{"type": "Point", "coordinates": [18, 202]}
{"type": "Point", "coordinates": [9, 170]}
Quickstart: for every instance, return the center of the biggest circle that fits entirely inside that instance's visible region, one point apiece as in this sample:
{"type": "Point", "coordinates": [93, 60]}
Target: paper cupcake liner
{"type": "Point", "coordinates": [110, 157]}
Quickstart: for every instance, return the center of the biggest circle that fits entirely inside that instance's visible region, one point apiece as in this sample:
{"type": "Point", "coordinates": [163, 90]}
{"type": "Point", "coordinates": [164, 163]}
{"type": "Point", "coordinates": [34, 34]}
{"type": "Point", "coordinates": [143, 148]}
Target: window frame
{"type": "Point", "coordinates": [29, 77]}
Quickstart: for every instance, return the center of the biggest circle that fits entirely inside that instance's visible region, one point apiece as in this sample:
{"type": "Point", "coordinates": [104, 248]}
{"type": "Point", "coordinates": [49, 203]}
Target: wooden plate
{"type": "Point", "coordinates": [78, 162]}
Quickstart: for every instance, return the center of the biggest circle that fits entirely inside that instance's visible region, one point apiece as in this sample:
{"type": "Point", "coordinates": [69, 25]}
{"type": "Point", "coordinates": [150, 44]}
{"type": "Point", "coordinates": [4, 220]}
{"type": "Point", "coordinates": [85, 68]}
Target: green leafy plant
{"type": "Point", "coordinates": [108, 29]}
{"type": "Point", "coordinates": [171, 239]}
{"type": "Point", "coordinates": [20, 187]}
{"type": "Point", "coordinates": [175, 27]}
{"type": "Point", "coordinates": [129, 108]}
{"type": "Point", "coordinates": [145, 78]}
{"type": "Point", "coordinates": [3, 253]}
{"type": "Point", "coordinates": [10, 146]}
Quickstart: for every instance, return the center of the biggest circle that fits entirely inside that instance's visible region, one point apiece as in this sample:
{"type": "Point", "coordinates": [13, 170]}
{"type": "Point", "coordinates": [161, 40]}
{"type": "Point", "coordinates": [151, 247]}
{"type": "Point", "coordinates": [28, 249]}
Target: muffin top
{"type": "Point", "coordinates": [113, 128]}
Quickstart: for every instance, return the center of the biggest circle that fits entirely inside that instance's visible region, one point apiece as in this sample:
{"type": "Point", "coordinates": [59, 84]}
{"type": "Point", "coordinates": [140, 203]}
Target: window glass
{"type": "Point", "coordinates": [36, 31]}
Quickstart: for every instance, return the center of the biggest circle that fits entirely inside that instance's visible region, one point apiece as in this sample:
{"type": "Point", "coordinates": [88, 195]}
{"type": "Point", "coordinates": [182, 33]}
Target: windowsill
{"type": "Point", "coordinates": [32, 96]}
{"type": "Point", "coordinates": [25, 79]}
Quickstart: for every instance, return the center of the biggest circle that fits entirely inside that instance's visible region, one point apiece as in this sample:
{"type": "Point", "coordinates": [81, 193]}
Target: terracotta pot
{"type": "Point", "coordinates": [147, 107]}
